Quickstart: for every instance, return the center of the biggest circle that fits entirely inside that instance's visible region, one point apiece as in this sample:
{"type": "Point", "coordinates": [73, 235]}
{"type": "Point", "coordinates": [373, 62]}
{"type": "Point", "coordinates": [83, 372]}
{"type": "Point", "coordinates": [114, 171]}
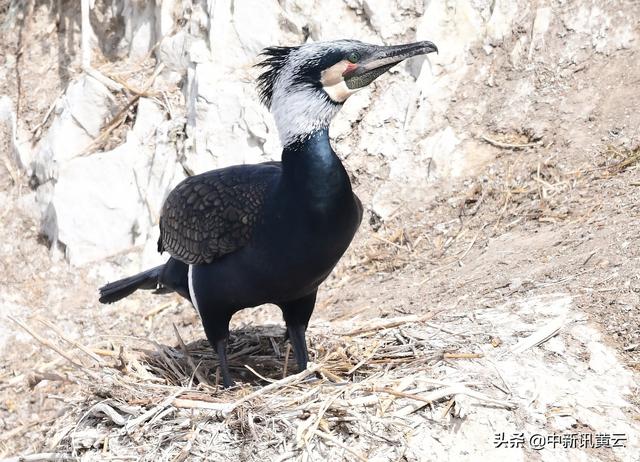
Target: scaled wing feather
{"type": "Point", "coordinates": [213, 214]}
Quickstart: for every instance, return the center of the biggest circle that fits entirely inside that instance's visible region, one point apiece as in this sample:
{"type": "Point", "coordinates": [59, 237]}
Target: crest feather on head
{"type": "Point", "coordinates": [276, 58]}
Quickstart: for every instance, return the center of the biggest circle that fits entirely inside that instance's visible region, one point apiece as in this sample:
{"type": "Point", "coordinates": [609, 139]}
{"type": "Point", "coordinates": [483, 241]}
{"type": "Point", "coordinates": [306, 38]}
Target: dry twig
{"type": "Point", "coordinates": [500, 144]}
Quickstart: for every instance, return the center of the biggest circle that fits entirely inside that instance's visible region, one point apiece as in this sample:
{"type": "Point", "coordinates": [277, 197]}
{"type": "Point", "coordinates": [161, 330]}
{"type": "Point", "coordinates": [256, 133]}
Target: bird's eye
{"type": "Point", "coordinates": [354, 57]}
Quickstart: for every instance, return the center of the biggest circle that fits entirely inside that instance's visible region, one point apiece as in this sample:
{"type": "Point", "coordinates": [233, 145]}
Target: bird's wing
{"type": "Point", "coordinates": [214, 213]}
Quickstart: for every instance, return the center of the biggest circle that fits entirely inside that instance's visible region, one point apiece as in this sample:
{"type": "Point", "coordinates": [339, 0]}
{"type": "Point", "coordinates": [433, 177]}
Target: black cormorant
{"type": "Point", "coordinates": [247, 235]}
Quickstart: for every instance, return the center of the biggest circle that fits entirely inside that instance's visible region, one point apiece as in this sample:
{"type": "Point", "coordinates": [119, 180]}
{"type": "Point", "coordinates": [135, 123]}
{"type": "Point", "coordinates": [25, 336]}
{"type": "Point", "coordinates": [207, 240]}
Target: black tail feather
{"type": "Point", "coordinates": [114, 291]}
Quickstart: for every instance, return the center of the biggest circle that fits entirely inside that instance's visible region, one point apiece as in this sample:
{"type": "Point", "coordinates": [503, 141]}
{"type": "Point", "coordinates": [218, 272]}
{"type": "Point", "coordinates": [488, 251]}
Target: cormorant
{"type": "Point", "coordinates": [247, 235]}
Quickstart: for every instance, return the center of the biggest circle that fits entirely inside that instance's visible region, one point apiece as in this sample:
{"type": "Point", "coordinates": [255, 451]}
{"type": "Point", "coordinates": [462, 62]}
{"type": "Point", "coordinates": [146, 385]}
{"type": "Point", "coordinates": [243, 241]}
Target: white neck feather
{"type": "Point", "coordinates": [300, 110]}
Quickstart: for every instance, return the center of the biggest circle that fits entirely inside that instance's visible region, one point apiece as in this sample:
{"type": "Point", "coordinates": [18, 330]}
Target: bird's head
{"type": "Point", "coordinates": [305, 86]}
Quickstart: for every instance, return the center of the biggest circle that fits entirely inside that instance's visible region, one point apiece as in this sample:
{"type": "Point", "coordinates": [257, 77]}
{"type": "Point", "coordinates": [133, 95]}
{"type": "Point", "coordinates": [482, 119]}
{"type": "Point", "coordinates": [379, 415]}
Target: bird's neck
{"type": "Point", "coordinates": [301, 111]}
{"type": "Point", "coordinates": [314, 170]}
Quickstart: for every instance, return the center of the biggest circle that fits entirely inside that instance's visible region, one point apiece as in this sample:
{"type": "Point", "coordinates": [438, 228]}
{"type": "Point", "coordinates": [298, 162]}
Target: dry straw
{"type": "Point", "coordinates": [366, 389]}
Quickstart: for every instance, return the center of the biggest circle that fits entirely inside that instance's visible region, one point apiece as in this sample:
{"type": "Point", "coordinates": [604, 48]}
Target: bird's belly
{"type": "Point", "coordinates": [285, 265]}
{"type": "Point", "coordinates": [299, 263]}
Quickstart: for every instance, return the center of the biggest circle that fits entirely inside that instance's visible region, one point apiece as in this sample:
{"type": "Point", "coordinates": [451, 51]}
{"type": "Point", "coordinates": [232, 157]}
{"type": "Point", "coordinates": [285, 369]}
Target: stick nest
{"type": "Point", "coordinates": [364, 393]}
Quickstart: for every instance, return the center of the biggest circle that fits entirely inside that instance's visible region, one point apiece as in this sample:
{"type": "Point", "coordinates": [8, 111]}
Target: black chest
{"type": "Point", "coordinates": [310, 219]}
{"type": "Point", "coordinates": [313, 214]}
{"type": "Point", "coordinates": [306, 225]}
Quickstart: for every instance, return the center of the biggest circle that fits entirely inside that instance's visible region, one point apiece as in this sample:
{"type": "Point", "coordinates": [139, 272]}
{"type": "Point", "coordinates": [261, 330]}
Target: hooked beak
{"type": "Point", "coordinates": [381, 59]}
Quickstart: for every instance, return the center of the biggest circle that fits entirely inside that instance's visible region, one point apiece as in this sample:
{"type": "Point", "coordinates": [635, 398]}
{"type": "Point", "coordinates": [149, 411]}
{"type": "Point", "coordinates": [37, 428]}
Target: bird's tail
{"type": "Point", "coordinates": [114, 291]}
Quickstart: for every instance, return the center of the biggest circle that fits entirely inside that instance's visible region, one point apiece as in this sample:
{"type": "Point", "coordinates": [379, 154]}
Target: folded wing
{"type": "Point", "coordinates": [212, 214]}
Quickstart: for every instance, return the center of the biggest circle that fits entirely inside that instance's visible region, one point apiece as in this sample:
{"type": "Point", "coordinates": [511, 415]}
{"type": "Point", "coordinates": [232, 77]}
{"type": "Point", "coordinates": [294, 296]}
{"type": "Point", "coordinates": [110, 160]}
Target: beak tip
{"type": "Point", "coordinates": [430, 47]}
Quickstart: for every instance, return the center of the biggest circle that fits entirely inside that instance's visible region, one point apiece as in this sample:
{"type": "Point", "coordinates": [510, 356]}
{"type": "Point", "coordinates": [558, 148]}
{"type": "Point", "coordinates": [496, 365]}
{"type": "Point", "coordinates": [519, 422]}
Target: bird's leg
{"type": "Point", "coordinates": [298, 341]}
{"type": "Point", "coordinates": [296, 315]}
{"type": "Point", "coordinates": [221, 349]}
{"type": "Point", "coordinates": [216, 326]}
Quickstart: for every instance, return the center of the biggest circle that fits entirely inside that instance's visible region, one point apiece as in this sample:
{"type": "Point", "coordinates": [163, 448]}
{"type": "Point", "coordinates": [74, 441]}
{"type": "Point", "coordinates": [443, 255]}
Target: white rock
{"type": "Point", "coordinates": [541, 25]}
{"type": "Point", "coordinates": [329, 20]}
{"type": "Point", "coordinates": [20, 144]}
{"type": "Point", "coordinates": [384, 17]}
{"type": "Point", "coordinates": [457, 28]}
{"type": "Point", "coordinates": [105, 203]}
{"type": "Point", "coordinates": [624, 37]}
{"type": "Point", "coordinates": [256, 24]}
{"type": "Point", "coordinates": [442, 149]}
{"type": "Point", "coordinates": [148, 117]}
{"type": "Point", "coordinates": [96, 208]}
{"type": "Point", "coordinates": [344, 124]}
{"type": "Point", "coordinates": [444, 154]}
{"type": "Point", "coordinates": [501, 21]}
{"type": "Point", "coordinates": [140, 27]}
{"type": "Point", "coordinates": [167, 11]}
{"type": "Point", "coordinates": [216, 105]}
{"type": "Point", "coordinates": [162, 169]}
{"type": "Point", "coordinates": [78, 117]}
{"type": "Point", "coordinates": [174, 51]}
{"type": "Point", "coordinates": [518, 53]}
{"type": "Point", "coordinates": [225, 50]}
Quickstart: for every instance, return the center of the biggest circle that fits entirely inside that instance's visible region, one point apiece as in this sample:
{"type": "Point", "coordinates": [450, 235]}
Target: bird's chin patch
{"type": "Point", "coordinates": [339, 92]}
{"type": "Point", "coordinates": [333, 83]}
